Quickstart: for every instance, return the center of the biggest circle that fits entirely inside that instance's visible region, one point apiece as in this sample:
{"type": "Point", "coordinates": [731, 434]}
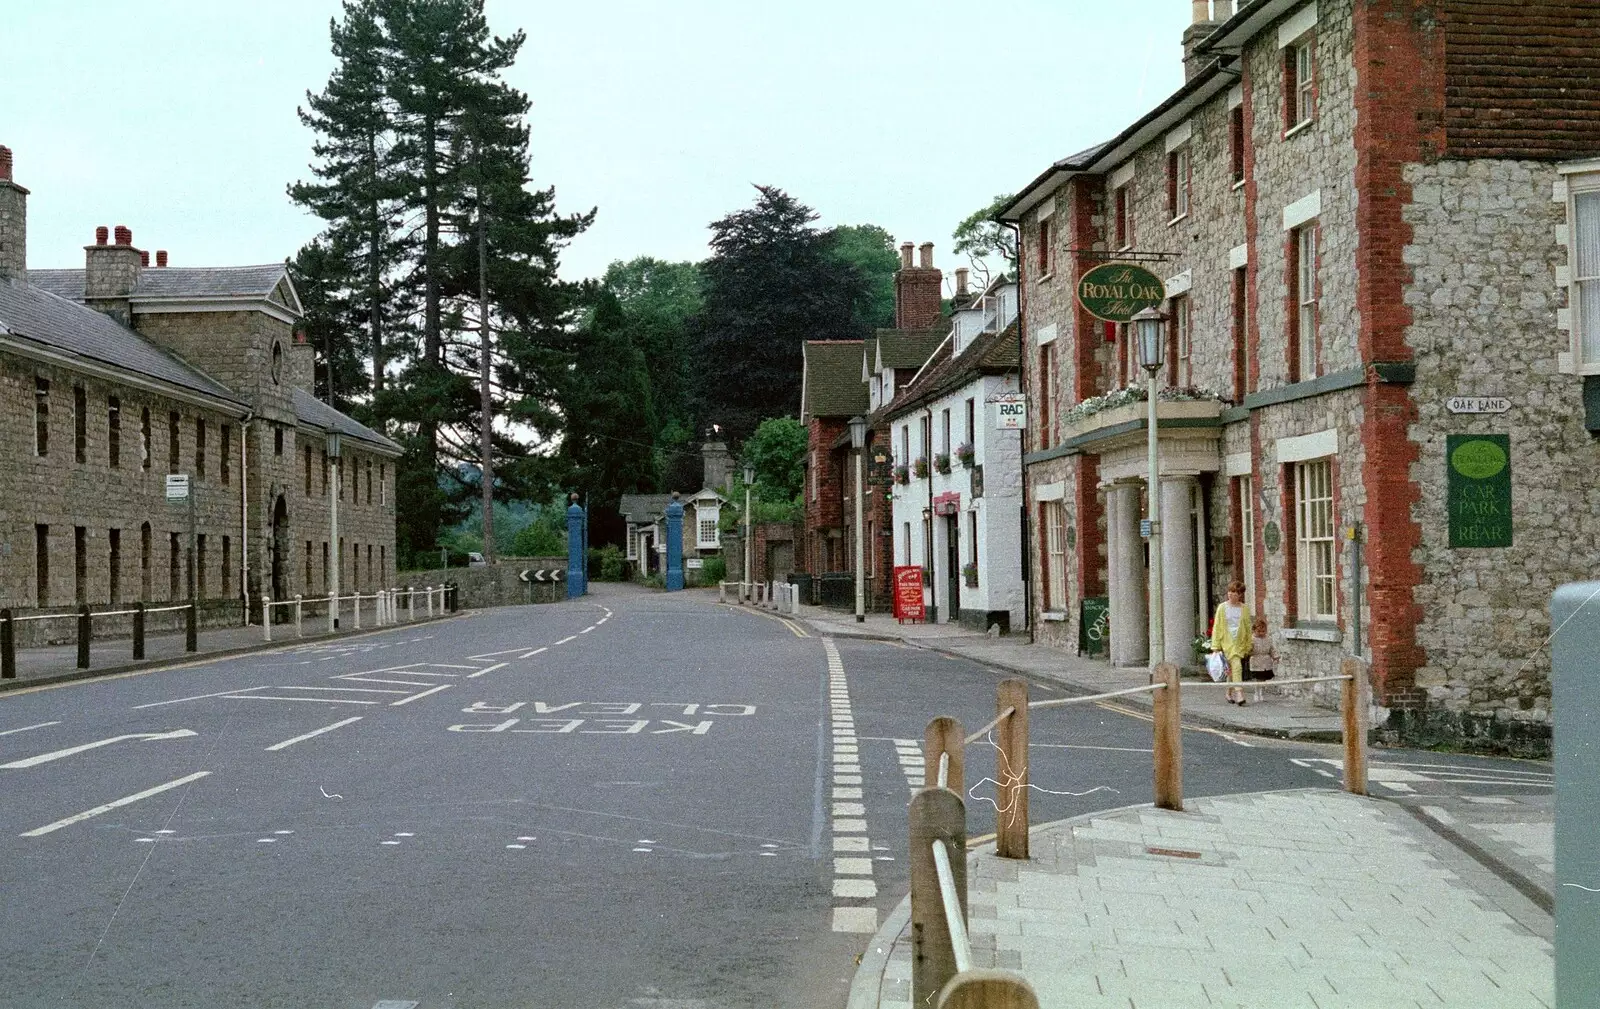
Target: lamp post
{"type": "Point", "coordinates": [749, 529]}
{"type": "Point", "coordinates": [1148, 325]}
{"type": "Point", "coordinates": [858, 441]}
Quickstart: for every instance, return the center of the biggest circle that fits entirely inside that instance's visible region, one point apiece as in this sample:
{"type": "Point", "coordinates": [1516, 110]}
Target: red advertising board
{"type": "Point", "coordinates": [908, 593]}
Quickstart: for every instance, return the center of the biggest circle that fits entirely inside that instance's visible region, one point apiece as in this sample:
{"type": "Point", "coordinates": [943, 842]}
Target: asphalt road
{"type": "Point", "coordinates": [637, 800]}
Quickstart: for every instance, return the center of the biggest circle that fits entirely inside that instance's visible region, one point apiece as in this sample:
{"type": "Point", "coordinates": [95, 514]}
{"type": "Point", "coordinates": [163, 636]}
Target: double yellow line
{"type": "Point", "coordinates": [794, 628]}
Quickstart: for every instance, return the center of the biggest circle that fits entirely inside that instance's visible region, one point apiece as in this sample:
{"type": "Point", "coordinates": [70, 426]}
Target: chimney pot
{"type": "Point", "coordinates": [1201, 10]}
{"type": "Point", "coordinates": [101, 235]}
{"type": "Point", "coordinates": [144, 258]}
{"type": "Point", "coordinates": [5, 163]}
{"type": "Point", "coordinates": [927, 255]}
{"type": "Point", "coordinates": [905, 255]}
{"type": "Point", "coordinates": [961, 281]}
{"type": "Point", "coordinates": [123, 235]}
{"type": "Point", "coordinates": [1223, 9]}
{"type": "Point", "coordinates": [161, 257]}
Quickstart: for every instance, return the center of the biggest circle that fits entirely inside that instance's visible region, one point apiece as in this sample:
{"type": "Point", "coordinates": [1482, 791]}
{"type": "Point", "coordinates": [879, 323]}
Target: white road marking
{"type": "Point", "coordinates": [586, 630]}
{"type": "Point", "coordinates": [516, 846]}
{"type": "Point", "coordinates": [425, 693]}
{"type": "Point", "coordinates": [855, 919]}
{"type": "Point", "coordinates": [196, 697]}
{"type": "Point", "coordinates": [317, 700]}
{"type": "Point", "coordinates": [25, 728]}
{"type": "Point", "coordinates": [490, 655]}
{"type": "Point", "coordinates": [388, 842]}
{"type": "Point", "coordinates": [45, 758]}
{"type": "Point", "coordinates": [485, 669]}
{"type": "Point", "coordinates": [352, 690]}
{"type": "Point", "coordinates": [315, 732]}
{"type": "Point", "coordinates": [563, 641]}
{"type": "Point", "coordinates": [1113, 749]}
{"type": "Point", "coordinates": [536, 651]}
{"type": "Point", "coordinates": [860, 888]}
{"type": "Point", "coordinates": [113, 804]}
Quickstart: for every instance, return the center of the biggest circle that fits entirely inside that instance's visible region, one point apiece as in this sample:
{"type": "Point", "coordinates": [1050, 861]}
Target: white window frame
{"type": "Point", "coordinates": [1584, 272]}
{"type": "Point", "coordinates": [633, 544]}
{"type": "Point", "coordinates": [1055, 533]}
{"type": "Point", "coordinates": [1182, 171]}
{"type": "Point", "coordinates": [814, 492]}
{"type": "Point", "coordinates": [1247, 535]}
{"type": "Point", "coordinates": [1306, 322]}
{"type": "Point", "coordinates": [1316, 543]}
{"type": "Point", "coordinates": [1303, 102]}
{"type": "Point", "coordinates": [1181, 316]}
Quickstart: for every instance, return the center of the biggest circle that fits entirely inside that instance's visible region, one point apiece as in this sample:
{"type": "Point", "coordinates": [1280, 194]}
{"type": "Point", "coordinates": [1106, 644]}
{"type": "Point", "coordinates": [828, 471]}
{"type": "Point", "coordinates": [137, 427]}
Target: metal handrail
{"type": "Point", "coordinates": [1061, 702]}
{"type": "Point", "coordinates": [168, 609]}
{"type": "Point", "coordinates": [960, 943]}
{"type": "Point", "coordinates": [44, 616]}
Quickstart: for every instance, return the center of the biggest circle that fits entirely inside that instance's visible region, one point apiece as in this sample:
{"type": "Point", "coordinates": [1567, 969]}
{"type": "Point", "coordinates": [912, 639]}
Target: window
{"type": "Point", "coordinates": [369, 481]}
{"type": "Point", "coordinates": [227, 450]}
{"type": "Point", "coordinates": [905, 445]}
{"type": "Point", "coordinates": [972, 424]}
{"type": "Point", "coordinates": [174, 448]}
{"type": "Point", "coordinates": [173, 554]}
{"type": "Point", "coordinates": [1299, 83]}
{"type": "Point", "coordinates": [1241, 346]}
{"type": "Point", "coordinates": [308, 567]}
{"type": "Point", "coordinates": [114, 563]}
{"type": "Point", "coordinates": [383, 483]}
{"type": "Point", "coordinates": [306, 453]}
{"type": "Point", "coordinates": [1178, 182]}
{"type": "Point", "coordinates": [144, 439]}
{"type": "Point", "coordinates": [1180, 366]}
{"type": "Point", "coordinates": [200, 565]}
{"type": "Point", "coordinates": [944, 426]}
{"type": "Point", "coordinates": [324, 472]}
{"type": "Point", "coordinates": [1247, 537]}
{"type": "Point", "coordinates": [1585, 292]}
{"type": "Point", "coordinates": [383, 563]}
{"type": "Point", "coordinates": [1236, 142]}
{"type": "Point", "coordinates": [1045, 251]}
{"type": "Point", "coordinates": [1047, 369]}
{"type": "Point", "coordinates": [114, 432]}
{"type": "Point", "coordinates": [144, 562]}
{"type": "Point", "coordinates": [80, 564]}
{"type": "Point", "coordinates": [906, 538]}
{"type": "Point", "coordinates": [1055, 562]}
{"type": "Point", "coordinates": [41, 417]}
{"type": "Point", "coordinates": [1303, 307]}
{"type": "Point", "coordinates": [1313, 497]}
{"type": "Point", "coordinates": [972, 538]}
{"type": "Point", "coordinates": [199, 448]}
{"type": "Point", "coordinates": [708, 532]}
{"type": "Point", "coordinates": [707, 514]}
{"type": "Point", "coordinates": [925, 438]}
{"type": "Point", "coordinates": [227, 564]}
{"type": "Point", "coordinates": [277, 439]}
{"type": "Point", "coordinates": [1122, 217]}
{"type": "Point", "coordinates": [41, 564]}
{"type": "Point", "coordinates": [80, 424]}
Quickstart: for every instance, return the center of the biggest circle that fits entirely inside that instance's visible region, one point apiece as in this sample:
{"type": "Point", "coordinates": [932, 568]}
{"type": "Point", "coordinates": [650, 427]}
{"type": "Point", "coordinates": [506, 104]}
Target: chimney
{"type": "Point", "coordinates": [102, 235]}
{"type": "Point", "coordinates": [111, 273]}
{"type": "Point", "coordinates": [161, 258]}
{"type": "Point", "coordinates": [961, 282]}
{"type": "Point", "coordinates": [1203, 23]}
{"type": "Point", "coordinates": [13, 223]}
{"type": "Point", "coordinates": [918, 290]}
{"type": "Point", "coordinates": [717, 463]}
{"type": "Point", "coordinates": [144, 257]}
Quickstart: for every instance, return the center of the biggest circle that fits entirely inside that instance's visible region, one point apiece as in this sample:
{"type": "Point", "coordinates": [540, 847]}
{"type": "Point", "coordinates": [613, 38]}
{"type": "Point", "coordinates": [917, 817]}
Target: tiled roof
{"type": "Point", "coordinates": [318, 414]}
{"type": "Point", "coordinates": [833, 385]}
{"type": "Point", "coordinates": [642, 508]}
{"type": "Point", "coordinates": [30, 312]}
{"type": "Point", "coordinates": [909, 348]}
{"type": "Point", "coordinates": [989, 354]}
{"type": "Point", "coordinates": [175, 281]}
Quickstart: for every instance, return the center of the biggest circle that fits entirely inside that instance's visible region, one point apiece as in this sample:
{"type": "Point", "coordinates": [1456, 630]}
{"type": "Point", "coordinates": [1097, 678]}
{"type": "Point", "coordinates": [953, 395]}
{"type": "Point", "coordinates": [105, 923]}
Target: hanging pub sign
{"type": "Point", "coordinates": [1010, 411]}
{"type": "Point", "coordinates": [1479, 489]}
{"type": "Point", "coordinates": [880, 466]}
{"type": "Point", "coordinates": [1116, 292]}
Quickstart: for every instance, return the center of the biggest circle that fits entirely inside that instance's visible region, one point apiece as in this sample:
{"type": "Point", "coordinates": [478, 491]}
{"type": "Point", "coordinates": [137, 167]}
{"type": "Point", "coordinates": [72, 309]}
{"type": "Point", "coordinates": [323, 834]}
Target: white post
{"type": "Point", "coordinates": [411, 603]}
{"type": "Point", "coordinates": [381, 602]}
{"type": "Point", "coordinates": [430, 600]}
{"type": "Point", "coordinates": [266, 617]}
{"type": "Point", "coordinates": [356, 598]}
{"type": "Point", "coordinates": [333, 611]}
{"type": "Point", "coordinates": [297, 614]}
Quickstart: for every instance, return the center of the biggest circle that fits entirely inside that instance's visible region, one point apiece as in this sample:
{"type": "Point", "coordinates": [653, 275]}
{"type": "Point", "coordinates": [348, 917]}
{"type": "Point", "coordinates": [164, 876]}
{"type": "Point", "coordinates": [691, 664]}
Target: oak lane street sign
{"type": "Point", "coordinates": [1116, 292]}
{"type": "Point", "coordinates": [177, 486]}
{"type": "Point", "coordinates": [1477, 404]}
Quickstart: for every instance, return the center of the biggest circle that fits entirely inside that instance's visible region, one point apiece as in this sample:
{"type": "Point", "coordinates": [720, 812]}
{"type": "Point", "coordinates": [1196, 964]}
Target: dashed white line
{"type": "Point", "coordinates": [313, 733]}
{"type": "Point", "coordinates": [536, 651]}
{"type": "Point", "coordinates": [572, 637]}
{"type": "Point", "coordinates": [25, 728]}
{"type": "Point", "coordinates": [485, 669]}
{"type": "Point", "coordinates": [113, 804]}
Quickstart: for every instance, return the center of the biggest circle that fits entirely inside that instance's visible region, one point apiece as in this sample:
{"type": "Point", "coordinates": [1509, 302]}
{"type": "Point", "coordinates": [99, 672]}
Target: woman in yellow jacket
{"type": "Point", "coordinates": [1231, 635]}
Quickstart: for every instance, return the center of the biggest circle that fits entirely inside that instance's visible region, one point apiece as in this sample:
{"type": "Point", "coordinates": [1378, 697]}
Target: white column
{"type": "Point", "coordinates": [1130, 621]}
{"type": "Point", "coordinates": [1178, 566]}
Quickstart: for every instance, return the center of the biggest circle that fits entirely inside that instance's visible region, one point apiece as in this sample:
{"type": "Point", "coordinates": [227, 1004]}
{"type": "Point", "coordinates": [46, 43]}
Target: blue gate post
{"type": "Point", "coordinates": [577, 561]}
{"type": "Point", "coordinates": [1574, 665]}
{"type": "Point", "coordinates": [674, 544]}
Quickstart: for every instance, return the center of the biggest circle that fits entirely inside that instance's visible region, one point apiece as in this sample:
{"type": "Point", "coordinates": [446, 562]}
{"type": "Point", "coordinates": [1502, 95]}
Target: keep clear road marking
{"type": "Point", "coordinates": [195, 697]}
{"type": "Point", "coordinates": [45, 758]}
{"type": "Point", "coordinates": [25, 728]}
{"type": "Point", "coordinates": [425, 693]}
{"type": "Point", "coordinates": [126, 800]}
{"type": "Point", "coordinates": [485, 669]}
{"type": "Point", "coordinates": [314, 732]}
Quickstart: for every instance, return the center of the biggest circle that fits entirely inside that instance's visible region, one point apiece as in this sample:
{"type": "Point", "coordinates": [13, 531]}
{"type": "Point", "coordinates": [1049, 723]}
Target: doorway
{"type": "Point", "coordinates": [280, 549]}
{"type": "Point", "coordinates": [952, 546]}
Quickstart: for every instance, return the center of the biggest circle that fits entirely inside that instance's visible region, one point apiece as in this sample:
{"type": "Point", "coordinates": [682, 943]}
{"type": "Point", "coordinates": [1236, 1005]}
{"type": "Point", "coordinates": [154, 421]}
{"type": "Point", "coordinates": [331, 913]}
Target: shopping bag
{"type": "Point", "coordinates": [1217, 667]}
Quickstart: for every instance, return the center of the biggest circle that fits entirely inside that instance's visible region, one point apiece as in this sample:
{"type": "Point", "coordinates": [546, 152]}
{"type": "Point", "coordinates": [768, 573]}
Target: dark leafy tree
{"type": "Point", "coordinates": [981, 237]}
{"type": "Point", "coordinates": [869, 251]}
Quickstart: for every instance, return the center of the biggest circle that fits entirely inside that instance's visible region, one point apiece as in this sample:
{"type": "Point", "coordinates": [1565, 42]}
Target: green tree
{"type": "Point", "coordinates": [868, 251]}
{"type": "Point", "coordinates": [777, 450]}
{"type": "Point", "coordinates": [331, 323]}
{"type": "Point", "coordinates": [770, 284]}
{"type": "Point", "coordinates": [982, 236]}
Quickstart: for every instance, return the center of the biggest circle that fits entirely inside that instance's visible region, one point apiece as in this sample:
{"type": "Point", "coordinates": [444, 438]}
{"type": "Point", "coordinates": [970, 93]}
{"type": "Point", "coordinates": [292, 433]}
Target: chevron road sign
{"type": "Point", "coordinates": [543, 574]}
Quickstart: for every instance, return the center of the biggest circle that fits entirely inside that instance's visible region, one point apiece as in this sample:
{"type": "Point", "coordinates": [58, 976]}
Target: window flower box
{"type": "Point", "coordinates": [902, 475]}
{"type": "Point", "coordinates": [941, 462]}
{"type": "Point", "coordinates": [969, 571]}
{"type": "Point", "coordinates": [919, 468]}
{"type": "Point", "coordinates": [966, 455]}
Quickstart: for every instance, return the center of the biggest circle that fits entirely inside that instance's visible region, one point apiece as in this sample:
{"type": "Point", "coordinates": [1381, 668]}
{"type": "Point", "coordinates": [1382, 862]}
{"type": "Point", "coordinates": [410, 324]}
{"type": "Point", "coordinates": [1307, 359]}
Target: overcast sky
{"type": "Point", "coordinates": [177, 118]}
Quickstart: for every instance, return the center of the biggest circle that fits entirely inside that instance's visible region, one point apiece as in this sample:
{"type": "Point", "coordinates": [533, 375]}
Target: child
{"type": "Point", "coordinates": [1263, 657]}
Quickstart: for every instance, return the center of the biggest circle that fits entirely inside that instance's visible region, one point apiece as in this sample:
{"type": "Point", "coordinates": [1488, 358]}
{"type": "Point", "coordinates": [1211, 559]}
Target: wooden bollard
{"type": "Point", "coordinates": [8, 646]}
{"type": "Point", "coordinates": [85, 631]}
{"type": "Point", "coordinates": [1354, 701]}
{"type": "Point", "coordinates": [943, 735]}
{"type": "Point", "coordinates": [1011, 770]}
{"type": "Point", "coordinates": [1168, 737]}
{"type": "Point", "coordinates": [987, 989]}
{"type": "Point", "coordinates": [138, 630]}
{"type": "Point", "coordinates": [937, 814]}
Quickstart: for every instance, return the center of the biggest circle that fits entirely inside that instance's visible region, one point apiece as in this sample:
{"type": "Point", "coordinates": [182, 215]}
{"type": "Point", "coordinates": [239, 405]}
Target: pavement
{"type": "Point", "coordinates": [1437, 891]}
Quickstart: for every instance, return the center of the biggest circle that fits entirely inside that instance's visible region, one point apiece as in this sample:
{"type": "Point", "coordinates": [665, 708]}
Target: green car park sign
{"type": "Point", "coordinates": [1479, 471]}
{"type": "Point", "coordinates": [1116, 292]}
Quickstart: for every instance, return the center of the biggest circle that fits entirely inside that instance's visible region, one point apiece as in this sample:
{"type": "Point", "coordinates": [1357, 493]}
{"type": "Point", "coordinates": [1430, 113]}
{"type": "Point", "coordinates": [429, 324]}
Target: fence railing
{"type": "Point", "coordinates": [942, 972]}
{"type": "Point", "coordinates": [84, 618]}
{"type": "Point", "coordinates": [386, 604]}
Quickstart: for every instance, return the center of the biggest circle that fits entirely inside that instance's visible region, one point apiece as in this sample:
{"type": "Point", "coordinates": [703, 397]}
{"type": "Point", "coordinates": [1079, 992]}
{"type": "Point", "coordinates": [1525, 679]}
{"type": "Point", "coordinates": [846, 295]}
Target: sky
{"type": "Point", "coordinates": [178, 118]}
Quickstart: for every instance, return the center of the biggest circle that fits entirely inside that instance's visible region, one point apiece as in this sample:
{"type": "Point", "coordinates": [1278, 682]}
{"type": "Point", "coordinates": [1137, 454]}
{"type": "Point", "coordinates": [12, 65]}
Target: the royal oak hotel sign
{"type": "Point", "coordinates": [1116, 292]}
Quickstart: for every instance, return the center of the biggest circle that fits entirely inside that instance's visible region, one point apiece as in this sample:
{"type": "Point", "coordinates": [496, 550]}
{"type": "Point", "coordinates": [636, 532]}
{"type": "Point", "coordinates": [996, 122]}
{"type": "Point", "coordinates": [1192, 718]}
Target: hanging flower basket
{"type": "Point", "coordinates": [902, 475]}
{"type": "Point", "coordinates": [919, 469]}
{"type": "Point", "coordinates": [941, 462]}
{"type": "Point", "coordinates": [970, 572]}
{"type": "Point", "coordinates": [966, 455]}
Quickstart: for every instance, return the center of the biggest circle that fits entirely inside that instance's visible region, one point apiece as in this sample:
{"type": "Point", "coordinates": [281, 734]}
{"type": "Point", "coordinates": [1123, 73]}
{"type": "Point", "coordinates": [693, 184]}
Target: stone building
{"type": "Point", "coordinates": [645, 519]}
{"type": "Point", "coordinates": [1378, 353]}
{"type": "Point", "coordinates": [118, 374]}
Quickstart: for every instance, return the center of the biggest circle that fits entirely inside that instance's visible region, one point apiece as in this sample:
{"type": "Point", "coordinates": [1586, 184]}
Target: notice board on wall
{"type": "Point", "coordinates": [908, 593]}
{"type": "Point", "coordinates": [1479, 489]}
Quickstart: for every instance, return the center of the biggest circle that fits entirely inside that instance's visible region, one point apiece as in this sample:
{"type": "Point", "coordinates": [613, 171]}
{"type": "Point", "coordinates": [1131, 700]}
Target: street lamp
{"type": "Point", "coordinates": [1149, 326]}
{"type": "Point", "coordinates": [749, 534]}
{"type": "Point", "coordinates": [858, 441]}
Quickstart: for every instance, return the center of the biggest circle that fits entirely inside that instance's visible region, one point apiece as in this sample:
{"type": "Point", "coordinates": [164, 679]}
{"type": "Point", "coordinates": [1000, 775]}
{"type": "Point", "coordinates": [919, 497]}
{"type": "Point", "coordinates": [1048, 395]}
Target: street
{"type": "Point", "coordinates": [636, 799]}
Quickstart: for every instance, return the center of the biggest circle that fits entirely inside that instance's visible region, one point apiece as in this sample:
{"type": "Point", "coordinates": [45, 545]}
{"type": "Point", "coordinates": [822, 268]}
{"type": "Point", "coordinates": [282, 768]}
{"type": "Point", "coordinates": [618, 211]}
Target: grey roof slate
{"type": "Point", "coordinates": [315, 412]}
{"type": "Point", "coordinates": [832, 379]}
{"type": "Point", "coordinates": [642, 508]}
{"type": "Point", "coordinates": [36, 314]}
{"type": "Point", "coordinates": [175, 281]}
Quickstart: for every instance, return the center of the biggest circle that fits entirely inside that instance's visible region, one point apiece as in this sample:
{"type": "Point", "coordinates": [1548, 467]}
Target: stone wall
{"type": "Point", "coordinates": [495, 584]}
